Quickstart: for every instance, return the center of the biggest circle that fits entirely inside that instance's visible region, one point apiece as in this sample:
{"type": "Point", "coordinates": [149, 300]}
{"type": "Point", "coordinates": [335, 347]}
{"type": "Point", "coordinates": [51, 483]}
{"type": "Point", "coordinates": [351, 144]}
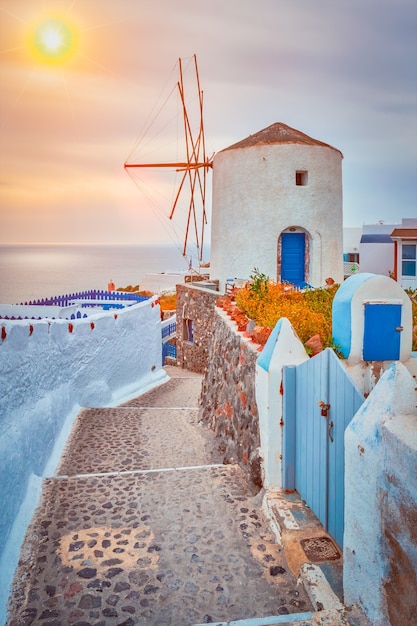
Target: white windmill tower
{"type": "Point", "coordinates": [276, 201]}
{"type": "Point", "coordinates": [277, 206]}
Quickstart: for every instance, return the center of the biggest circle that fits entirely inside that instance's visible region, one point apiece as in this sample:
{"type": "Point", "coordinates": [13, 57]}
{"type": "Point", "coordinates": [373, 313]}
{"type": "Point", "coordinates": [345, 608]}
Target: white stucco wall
{"type": "Point", "coordinates": [377, 258]}
{"type": "Point", "coordinates": [380, 545]}
{"type": "Point", "coordinates": [255, 198]}
{"type": "Point", "coordinates": [48, 370]}
{"type": "Point", "coordinates": [161, 283]}
{"type": "Point", "coordinates": [351, 239]}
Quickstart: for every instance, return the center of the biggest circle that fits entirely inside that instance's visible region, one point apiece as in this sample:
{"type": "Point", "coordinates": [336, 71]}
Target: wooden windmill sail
{"type": "Point", "coordinates": [194, 167]}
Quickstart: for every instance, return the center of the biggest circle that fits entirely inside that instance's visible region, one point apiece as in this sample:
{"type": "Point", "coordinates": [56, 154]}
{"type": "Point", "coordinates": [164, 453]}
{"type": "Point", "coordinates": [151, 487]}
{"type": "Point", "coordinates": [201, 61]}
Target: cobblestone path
{"type": "Point", "coordinates": [142, 525]}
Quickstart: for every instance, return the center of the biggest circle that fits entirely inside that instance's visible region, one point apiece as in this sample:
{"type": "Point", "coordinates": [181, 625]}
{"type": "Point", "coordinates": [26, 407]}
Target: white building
{"type": "Point", "coordinates": [376, 249]}
{"type": "Point", "coordinates": [405, 253]}
{"type": "Point", "coordinates": [277, 207]}
{"type": "Point", "coordinates": [390, 249]}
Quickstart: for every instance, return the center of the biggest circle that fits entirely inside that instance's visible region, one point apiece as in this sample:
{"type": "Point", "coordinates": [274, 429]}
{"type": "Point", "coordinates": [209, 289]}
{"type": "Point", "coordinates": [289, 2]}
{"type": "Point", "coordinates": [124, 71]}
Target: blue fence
{"type": "Point", "coordinates": [106, 300]}
{"type": "Point", "coordinates": [94, 294]}
{"type": "Point", "coordinates": [168, 349]}
{"type": "Point", "coordinates": [169, 330]}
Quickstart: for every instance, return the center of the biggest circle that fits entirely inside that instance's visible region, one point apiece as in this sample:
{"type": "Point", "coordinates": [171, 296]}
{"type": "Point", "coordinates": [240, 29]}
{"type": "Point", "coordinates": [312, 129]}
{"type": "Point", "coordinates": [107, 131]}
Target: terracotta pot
{"type": "Point", "coordinates": [260, 334]}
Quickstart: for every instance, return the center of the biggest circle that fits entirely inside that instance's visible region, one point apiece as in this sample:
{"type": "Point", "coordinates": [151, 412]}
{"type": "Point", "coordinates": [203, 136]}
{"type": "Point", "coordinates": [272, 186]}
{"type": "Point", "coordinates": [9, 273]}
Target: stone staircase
{"type": "Point", "coordinates": [142, 524]}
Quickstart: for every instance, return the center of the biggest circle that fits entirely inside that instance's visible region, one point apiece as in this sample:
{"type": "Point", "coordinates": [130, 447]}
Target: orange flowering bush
{"type": "Point", "coordinates": [168, 301]}
{"type": "Point", "coordinates": [310, 311]}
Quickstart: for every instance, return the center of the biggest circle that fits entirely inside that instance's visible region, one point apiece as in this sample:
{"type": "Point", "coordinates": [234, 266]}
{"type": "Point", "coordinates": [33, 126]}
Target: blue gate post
{"type": "Point", "coordinates": [288, 432]}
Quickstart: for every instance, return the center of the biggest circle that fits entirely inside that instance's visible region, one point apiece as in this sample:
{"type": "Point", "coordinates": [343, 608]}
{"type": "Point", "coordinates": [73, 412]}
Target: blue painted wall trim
{"type": "Point", "coordinates": [264, 359]}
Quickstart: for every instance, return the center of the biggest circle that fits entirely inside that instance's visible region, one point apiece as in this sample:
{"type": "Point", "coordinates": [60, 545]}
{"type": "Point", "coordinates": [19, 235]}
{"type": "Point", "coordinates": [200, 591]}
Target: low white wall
{"type": "Point", "coordinates": [380, 541]}
{"type": "Point", "coordinates": [366, 375]}
{"type": "Point", "coordinates": [160, 283]}
{"type": "Point", "coordinates": [48, 370]}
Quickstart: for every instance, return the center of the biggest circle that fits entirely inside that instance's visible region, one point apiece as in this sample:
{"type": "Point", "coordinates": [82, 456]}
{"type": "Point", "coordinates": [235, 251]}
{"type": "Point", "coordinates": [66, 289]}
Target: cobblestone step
{"type": "Point", "coordinates": [178, 547]}
{"type": "Point", "coordinates": [321, 618]}
{"type": "Point", "coordinates": [142, 527]}
{"type": "Point", "coordinates": [129, 439]}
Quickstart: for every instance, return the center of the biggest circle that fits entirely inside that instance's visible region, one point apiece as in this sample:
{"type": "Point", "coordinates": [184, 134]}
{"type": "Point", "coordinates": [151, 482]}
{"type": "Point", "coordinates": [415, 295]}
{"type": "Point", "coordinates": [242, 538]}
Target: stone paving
{"type": "Point", "coordinates": [143, 525]}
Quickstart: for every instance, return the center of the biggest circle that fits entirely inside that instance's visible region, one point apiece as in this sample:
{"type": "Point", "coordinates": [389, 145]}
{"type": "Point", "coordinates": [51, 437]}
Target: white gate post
{"type": "Point", "coordinates": [282, 348]}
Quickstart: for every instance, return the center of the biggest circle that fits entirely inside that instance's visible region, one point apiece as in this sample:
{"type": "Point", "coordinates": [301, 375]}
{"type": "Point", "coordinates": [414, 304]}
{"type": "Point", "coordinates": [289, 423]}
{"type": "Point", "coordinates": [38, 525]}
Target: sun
{"type": "Point", "coordinates": [53, 40]}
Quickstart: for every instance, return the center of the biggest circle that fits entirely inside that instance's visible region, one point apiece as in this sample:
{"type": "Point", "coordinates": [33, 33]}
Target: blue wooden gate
{"type": "Point", "coordinates": [320, 400]}
{"type": "Point", "coordinates": [382, 328]}
{"type": "Point", "coordinates": [292, 258]}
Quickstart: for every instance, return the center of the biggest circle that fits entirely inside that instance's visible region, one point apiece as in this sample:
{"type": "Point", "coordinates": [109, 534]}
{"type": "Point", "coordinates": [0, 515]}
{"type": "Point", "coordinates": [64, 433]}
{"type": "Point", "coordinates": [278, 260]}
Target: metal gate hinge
{"type": "Point", "coordinates": [330, 431]}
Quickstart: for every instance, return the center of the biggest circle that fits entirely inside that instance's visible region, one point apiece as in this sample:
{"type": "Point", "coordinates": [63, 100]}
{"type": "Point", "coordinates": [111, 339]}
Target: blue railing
{"type": "Point", "coordinates": [168, 349]}
{"type": "Point", "coordinates": [95, 294]}
{"type": "Point", "coordinates": [106, 300]}
{"type": "Point", "coordinates": [169, 331]}
{"type": "Point", "coordinates": [78, 316]}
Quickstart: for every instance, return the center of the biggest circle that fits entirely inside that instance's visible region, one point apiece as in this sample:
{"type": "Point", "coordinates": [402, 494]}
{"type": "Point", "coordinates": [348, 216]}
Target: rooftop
{"type": "Point", "coordinates": [404, 233]}
{"type": "Point", "coordinates": [279, 133]}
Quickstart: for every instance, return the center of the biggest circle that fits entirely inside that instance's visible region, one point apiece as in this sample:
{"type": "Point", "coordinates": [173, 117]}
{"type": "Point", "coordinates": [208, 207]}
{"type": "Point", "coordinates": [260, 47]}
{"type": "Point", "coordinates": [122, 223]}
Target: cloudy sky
{"type": "Point", "coordinates": [344, 72]}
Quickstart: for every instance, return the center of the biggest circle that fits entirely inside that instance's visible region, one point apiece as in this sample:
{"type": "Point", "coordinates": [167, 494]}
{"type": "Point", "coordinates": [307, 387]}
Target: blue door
{"type": "Point", "coordinates": [320, 400]}
{"type": "Point", "coordinates": [382, 332]}
{"type": "Point", "coordinates": [292, 258]}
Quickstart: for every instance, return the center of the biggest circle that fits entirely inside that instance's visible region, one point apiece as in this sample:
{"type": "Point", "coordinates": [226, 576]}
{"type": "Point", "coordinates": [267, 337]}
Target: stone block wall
{"type": "Point", "coordinates": [228, 403]}
{"type": "Point", "coordinates": [195, 311]}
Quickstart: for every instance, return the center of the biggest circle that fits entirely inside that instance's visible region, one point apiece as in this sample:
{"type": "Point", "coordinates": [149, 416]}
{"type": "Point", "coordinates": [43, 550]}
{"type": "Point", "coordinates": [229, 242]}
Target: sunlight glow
{"type": "Point", "coordinates": [53, 40]}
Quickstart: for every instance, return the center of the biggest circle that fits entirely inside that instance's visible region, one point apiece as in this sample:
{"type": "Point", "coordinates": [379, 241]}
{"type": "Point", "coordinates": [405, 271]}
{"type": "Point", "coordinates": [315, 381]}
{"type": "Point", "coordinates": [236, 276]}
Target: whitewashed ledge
{"type": "Point", "coordinates": [166, 282]}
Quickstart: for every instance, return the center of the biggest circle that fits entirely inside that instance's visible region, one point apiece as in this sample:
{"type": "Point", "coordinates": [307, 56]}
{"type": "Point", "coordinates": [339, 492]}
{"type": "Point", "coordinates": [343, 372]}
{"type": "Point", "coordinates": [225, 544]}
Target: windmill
{"type": "Point", "coordinates": [193, 169]}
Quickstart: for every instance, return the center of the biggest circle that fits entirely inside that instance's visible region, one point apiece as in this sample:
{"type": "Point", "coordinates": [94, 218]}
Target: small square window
{"type": "Point", "coordinates": [409, 250]}
{"type": "Point", "coordinates": [301, 178]}
{"type": "Point", "coordinates": [409, 254]}
{"type": "Point", "coordinates": [409, 268]}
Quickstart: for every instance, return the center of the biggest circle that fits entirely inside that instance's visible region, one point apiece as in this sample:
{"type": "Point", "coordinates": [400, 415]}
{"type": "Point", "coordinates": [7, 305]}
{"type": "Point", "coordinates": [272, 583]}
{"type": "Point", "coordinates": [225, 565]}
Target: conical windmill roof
{"type": "Point", "coordinates": [278, 133]}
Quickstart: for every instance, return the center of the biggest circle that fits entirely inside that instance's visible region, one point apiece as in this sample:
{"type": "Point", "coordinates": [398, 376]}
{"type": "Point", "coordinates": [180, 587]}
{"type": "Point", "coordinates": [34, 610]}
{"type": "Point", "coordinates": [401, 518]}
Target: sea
{"type": "Point", "coordinates": [35, 271]}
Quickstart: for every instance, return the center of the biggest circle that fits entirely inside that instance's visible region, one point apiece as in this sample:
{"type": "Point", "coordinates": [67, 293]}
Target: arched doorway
{"type": "Point", "coordinates": [293, 245]}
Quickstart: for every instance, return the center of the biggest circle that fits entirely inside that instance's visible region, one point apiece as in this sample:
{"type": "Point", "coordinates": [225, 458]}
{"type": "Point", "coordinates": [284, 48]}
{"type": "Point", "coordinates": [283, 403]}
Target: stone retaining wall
{"type": "Point", "coordinates": [195, 309]}
{"type": "Point", "coordinates": [227, 403]}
